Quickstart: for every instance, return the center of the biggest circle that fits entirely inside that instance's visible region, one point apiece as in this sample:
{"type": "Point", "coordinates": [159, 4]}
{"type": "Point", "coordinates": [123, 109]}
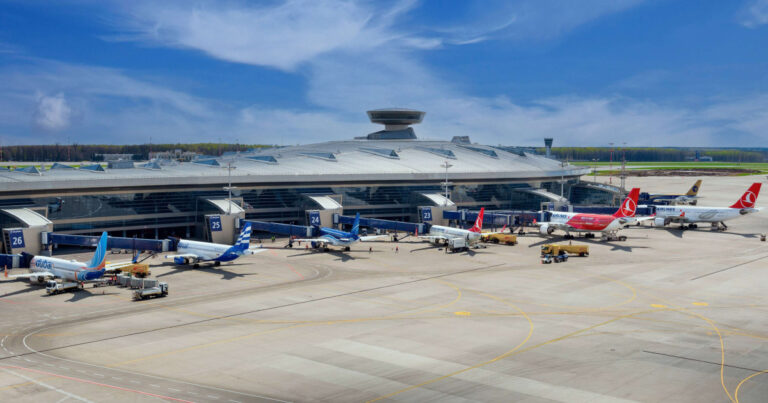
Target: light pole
{"type": "Point", "coordinates": [595, 171]}
{"type": "Point", "coordinates": [446, 165]}
{"type": "Point", "coordinates": [229, 188]}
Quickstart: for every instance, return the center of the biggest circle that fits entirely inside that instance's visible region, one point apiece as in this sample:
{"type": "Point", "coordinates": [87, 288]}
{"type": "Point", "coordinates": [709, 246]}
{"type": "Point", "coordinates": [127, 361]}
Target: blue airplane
{"type": "Point", "coordinates": [195, 252]}
{"type": "Point", "coordinates": [334, 237]}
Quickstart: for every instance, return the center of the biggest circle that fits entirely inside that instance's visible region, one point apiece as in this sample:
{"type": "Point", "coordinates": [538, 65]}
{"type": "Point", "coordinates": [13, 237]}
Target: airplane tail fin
{"type": "Point", "coordinates": [694, 189]}
{"type": "Point", "coordinates": [478, 227]}
{"type": "Point", "coordinates": [356, 225]}
{"type": "Point", "coordinates": [629, 206]}
{"type": "Point", "coordinates": [98, 261]}
{"type": "Point", "coordinates": [244, 240]}
{"type": "Point", "coordinates": [749, 197]}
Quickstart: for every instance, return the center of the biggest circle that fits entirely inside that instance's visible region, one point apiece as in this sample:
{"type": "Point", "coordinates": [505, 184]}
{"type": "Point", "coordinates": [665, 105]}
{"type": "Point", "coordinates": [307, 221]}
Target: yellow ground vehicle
{"type": "Point", "coordinates": [555, 249]}
{"type": "Point", "coordinates": [508, 239]}
{"type": "Point", "coordinates": [136, 269]}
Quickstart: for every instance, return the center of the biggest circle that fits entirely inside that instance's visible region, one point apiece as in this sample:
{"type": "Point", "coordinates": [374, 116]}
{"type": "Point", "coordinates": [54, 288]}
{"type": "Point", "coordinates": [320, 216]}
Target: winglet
{"type": "Point", "coordinates": [749, 197]}
{"type": "Point", "coordinates": [478, 227]}
{"type": "Point", "coordinates": [629, 206]}
{"type": "Point", "coordinates": [100, 256]}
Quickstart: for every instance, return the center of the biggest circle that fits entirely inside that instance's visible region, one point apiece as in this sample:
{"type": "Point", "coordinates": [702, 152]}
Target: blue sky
{"type": "Point", "coordinates": [587, 72]}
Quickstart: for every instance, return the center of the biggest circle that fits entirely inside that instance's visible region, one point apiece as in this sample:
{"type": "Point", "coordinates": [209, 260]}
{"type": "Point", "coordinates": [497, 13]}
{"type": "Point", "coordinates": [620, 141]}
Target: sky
{"type": "Point", "coordinates": [587, 72]}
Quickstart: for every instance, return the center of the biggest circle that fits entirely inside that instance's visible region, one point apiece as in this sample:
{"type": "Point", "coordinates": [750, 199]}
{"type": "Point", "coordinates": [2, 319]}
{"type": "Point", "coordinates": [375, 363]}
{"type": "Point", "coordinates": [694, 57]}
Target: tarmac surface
{"type": "Point", "coordinates": [667, 315]}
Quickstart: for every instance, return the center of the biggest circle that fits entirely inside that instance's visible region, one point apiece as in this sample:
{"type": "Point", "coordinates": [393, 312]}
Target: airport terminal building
{"type": "Point", "coordinates": [386, 174]}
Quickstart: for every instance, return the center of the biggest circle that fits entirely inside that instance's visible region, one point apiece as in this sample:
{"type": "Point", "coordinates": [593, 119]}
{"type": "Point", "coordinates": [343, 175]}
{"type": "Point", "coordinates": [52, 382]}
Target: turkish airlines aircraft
{"type": "Point", "coordinates": [691, 215]}
{"type": "Point", "coordinates": [607, 224]}
{"type": "Point", "coordinates": [440, 234]}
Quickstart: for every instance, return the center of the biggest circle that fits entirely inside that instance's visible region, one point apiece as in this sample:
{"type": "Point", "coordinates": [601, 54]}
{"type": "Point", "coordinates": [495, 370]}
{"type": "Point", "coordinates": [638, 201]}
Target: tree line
{"type": "Point", "coordinates": [89, 152]}
{"type": "Point", "coordinates": [652, 154]}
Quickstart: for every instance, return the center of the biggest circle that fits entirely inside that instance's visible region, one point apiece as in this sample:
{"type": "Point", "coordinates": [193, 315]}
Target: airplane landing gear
{"type": "Point", "coordinates": [196, 266]}
{"type": "Point", "coordinates": [346, 249]}
{"type": "Point", "coordinates": [217, 263]}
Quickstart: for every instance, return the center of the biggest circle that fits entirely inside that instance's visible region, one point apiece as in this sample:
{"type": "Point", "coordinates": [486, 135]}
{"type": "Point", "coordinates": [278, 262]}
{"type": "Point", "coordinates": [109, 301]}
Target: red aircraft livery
{"type": "Point", "coordinates": [583, 222]}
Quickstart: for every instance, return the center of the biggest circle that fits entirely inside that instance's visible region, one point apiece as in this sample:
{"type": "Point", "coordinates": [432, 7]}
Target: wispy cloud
{"type": "Point", "coordinates": [280, 35]}
{"type": "Point", "coordinates": [755, 13]}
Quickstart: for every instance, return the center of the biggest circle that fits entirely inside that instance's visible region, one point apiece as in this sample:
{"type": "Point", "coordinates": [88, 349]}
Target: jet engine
{"type": "Point", "coordinates": [545, 229]}
{"type": "Point", "coordinates": [37, 279]}
{"type": "Point", "coordinates": [660, 221]}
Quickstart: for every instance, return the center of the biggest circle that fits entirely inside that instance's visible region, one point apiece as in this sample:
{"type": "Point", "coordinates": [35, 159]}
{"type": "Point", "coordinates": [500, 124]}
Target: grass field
{"type": "Point", "coordinates": [679, 164]}
{"type": "Point", "coordinates": [675, 165]}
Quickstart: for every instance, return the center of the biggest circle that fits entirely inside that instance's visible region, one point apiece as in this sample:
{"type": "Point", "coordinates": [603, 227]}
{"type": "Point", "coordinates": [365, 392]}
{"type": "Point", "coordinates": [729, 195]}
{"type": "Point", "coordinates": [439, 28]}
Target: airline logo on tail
{"type": "Point", "coordinates": [629, 206]}
{"type": "Point", "coordinates": [694, 189]}
{"type": "Point", "coordinates": [478, 227]}
{"type": "Point", "coordinates": [749, 197]}
{"type": "Point", "coordinates": [98, 261]}
{"type": "Point", "coordinates": [244, 240]}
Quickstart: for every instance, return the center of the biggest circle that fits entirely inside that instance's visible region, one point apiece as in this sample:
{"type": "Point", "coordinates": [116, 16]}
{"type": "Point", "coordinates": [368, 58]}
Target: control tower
{"type": "Point", "coordinates": [396, 123]}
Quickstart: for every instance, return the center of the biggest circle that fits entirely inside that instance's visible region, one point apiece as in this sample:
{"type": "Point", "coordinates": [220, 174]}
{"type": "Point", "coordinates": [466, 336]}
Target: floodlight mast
{"type": "Point", "coordinates": [446, 165]}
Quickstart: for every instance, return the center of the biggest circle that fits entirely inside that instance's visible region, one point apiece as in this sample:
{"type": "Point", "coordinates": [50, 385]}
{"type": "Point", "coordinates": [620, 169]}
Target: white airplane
{"type": "Point", "coordinates": [334, 237]}
{"type": "Point", "coordinates": [44, 268]}
{"type": "Point", "coordinates": [716, 216]}
{"type": "Point", "coordinates": [195, 252]}
{"type": "Point", "coordinates": [439, 234]}
{"type": "Point", "coordinates": [689, 198]}
{"type": "Point", "coordinates": [607, 224]}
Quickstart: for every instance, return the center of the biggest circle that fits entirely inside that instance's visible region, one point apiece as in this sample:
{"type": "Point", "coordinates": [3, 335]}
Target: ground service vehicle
{"type": "Point", "coordinates": [136, 269]}
{"type": "Point", "coordinates": [53, 287]}
{"type": "Point", "coordinates": [145, 293]}
{"type": "Point", "coordinates": [457, 244]}
{"type": "Point", "coordinates": [507, 239]}
{"type": "Point", "coordinates": [555, 249]}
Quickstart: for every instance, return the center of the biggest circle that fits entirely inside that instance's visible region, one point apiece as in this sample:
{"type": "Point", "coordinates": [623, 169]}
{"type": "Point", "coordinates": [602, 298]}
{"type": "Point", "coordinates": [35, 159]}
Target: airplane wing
{"type": "Point", "coordinates": [632, 220]}
{"type": "Point", "coordinates": [253, 251]}
{"type": "Point", "coordinates": [28, 275]}
{"type": "Point", "coordinates": [555, 226]}
{"type": "Point", "coordinates": [370, 238]}
{"type": "Point", "coordinates": [118, 265]}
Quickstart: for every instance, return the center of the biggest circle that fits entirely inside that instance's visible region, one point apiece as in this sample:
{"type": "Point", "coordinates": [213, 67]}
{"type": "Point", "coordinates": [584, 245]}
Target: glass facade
{"type": "Point", "coordinates": [181, 213]}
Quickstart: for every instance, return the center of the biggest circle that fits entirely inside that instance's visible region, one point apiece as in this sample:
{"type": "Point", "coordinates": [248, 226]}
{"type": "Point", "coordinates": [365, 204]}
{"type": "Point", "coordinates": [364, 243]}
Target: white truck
{"type": "Point", "coordinates": [160, 290]}
{"type": "Point", "coordinates": [457, 245]}
{"type": "Point", "coordinates": [54, 287]}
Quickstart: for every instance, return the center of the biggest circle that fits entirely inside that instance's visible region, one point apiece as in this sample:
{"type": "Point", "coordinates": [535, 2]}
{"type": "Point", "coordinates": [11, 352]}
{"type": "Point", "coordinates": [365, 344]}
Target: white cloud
{"type": "Point", "coordinates": [53, 112]}
{"type": "Point", "coordinates": [279, 35]}
{"type": "Point", "coordinates": [755, 14]}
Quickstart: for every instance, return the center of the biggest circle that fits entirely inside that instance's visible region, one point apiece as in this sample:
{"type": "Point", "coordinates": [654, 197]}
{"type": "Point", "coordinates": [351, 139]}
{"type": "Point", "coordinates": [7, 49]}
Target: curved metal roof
{"type": "Point", "coordinates": [349, 161]}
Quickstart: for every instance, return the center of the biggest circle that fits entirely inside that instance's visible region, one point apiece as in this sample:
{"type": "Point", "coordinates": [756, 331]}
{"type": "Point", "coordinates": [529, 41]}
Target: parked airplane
{"type": "Point", "coordinates": [606, 224]}
{"type": "Point", "coordinates": [439, 234]}
{"type": "Point", "coordinates": [43, 268]}
{"type": "Point", "coordinates": [335, 237]}
{"type": "Point", "coordinates": [195, 252]}
{"type": "Point", "coordinates": [716, 216]}
{"type": "Point", "coordinates": [689, 197]}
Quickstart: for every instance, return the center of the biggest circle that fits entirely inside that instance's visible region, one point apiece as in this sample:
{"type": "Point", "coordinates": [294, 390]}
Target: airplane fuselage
{"type": "Point", "coordinates": [582, 222]}
{"type": "Point", "coordinates": [449, 232]}
{"type": "Point", "coordinates": [694, 214]}
{"type": "Point", "coordinates": [207, 251]}
{"type": "Point", "coordinates": [64, 269]}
